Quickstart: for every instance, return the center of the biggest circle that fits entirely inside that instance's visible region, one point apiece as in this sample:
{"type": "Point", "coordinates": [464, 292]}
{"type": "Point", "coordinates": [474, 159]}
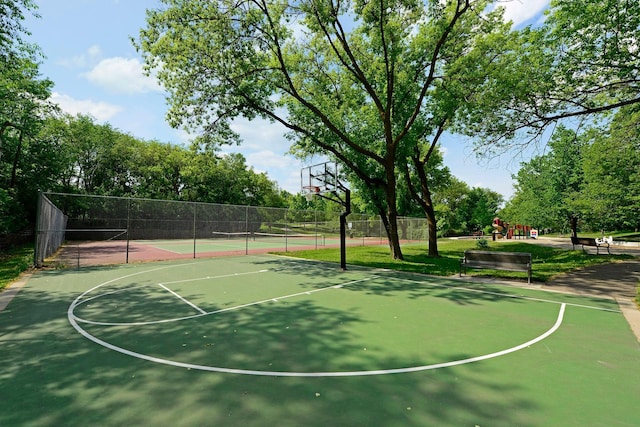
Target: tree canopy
{"type": "Point", "coordinates": [370, 84]}
{"type": "Point", "coordinates": [581, 62]}
{"type": "Point", "coordinates": [589, 180]}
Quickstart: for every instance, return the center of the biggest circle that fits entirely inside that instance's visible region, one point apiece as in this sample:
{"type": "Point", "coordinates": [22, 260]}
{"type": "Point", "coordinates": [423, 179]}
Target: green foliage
{"type": "Point", "coordinates": [611, 164]}
{"type": "Point", "coordinates": [593, 176]}
{"type": "Point", "coordinates": [11, 16]}
{"type": "Point", "coordinates": [482, 244]}
{"type": "Point", "coordinates": [13, 263]}
{"type": "Point", "coordinates": [462, 210]}
{"type": "Point", "coordinates": [582, 61]}
{"type": "Point", "coordinates": [12, 216]}
{"type": "Point", "coordinates": [23, 103]}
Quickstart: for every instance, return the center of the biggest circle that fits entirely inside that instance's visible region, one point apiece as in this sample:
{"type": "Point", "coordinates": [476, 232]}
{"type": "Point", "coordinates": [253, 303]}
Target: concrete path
{"type": "Point", "coordinates": [618, 280]}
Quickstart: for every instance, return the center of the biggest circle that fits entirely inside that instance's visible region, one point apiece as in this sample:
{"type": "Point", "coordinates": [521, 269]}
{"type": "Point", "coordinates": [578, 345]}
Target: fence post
{"type": "Point", "coordinates": [246, 231]}
{"type": "Point", "coordinates": [128, 227]}
{"type": "Point", "coordinates": [195, 210]}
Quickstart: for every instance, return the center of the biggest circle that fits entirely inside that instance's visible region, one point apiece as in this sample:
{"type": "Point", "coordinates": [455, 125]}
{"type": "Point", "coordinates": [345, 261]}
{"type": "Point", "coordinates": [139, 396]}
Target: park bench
{"type": "Point", "coordinates": [510, 261]}
{"type": "Point", "coordinates": [589, 241]}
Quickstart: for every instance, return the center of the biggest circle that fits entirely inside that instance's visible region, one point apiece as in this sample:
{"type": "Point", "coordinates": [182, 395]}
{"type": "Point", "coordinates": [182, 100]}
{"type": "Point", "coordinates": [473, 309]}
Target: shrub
{"type": "Point", "coordinates": [482, 244]}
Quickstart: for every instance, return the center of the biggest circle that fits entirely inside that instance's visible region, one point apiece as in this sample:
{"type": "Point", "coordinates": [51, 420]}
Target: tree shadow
{"type": "Point", "coordinates": [52, 375]}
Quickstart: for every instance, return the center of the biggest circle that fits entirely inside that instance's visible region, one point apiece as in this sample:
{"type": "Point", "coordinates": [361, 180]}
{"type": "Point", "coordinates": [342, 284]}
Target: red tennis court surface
{"type": "Point", "coordinates": [79, 254]}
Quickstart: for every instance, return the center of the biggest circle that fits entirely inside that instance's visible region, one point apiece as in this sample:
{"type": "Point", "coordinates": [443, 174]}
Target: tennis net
{"type": "Point", "coordinates": [109, 230]}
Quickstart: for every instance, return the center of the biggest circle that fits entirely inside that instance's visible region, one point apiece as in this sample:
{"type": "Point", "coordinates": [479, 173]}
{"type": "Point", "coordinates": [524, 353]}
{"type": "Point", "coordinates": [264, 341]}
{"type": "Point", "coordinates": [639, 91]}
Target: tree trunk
{"type": "Point", "coordinates": [389, 227]}
{"type": "Point", "coordinates": [433, 229]}
{"type": "Point", "coordinates": [425, 203]}
{"type": "Point", "coordinates": [574, 226]}
{"type": "Point", "coordinates": [394, 240]}
{"type": "Point", "coordinates": [392, 208]}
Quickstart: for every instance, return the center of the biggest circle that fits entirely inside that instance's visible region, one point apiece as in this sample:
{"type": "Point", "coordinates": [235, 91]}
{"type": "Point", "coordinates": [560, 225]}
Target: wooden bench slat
{"type": "Point", "coordinates": [510, 261]}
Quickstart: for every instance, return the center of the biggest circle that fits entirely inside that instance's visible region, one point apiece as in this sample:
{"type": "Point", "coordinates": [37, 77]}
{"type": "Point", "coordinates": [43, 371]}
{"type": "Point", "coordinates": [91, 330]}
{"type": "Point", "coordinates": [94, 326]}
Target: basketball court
{"type": "Point", "coordinates": [267, 340]}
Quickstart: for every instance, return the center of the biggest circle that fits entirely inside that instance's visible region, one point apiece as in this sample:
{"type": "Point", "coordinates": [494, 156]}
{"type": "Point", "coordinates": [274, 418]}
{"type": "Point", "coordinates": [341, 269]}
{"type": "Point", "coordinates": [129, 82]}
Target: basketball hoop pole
{"type": "Point", "coordinates": [322, 180]}
{"type": "Point", "coordinates": [346, 203]}
{"type": "Point", "coordinates": [343, 228]}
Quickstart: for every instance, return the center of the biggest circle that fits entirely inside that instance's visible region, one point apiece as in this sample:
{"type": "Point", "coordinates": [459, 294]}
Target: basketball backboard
{"type": "Point", "coordinates": [321, 178]}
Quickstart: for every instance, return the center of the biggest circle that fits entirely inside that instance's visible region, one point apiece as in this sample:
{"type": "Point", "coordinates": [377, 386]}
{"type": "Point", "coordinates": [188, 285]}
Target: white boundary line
{"type": "Point", "coordinates": [222, 310]}
{"type": "Point", "coordinates": [500, 294]}
{"type": "Point", "coordinates": [73, 320]}
{"type": "Point", "coordinates": [182, 299]}
{"type": "Point", "coordinates": [87, 335]}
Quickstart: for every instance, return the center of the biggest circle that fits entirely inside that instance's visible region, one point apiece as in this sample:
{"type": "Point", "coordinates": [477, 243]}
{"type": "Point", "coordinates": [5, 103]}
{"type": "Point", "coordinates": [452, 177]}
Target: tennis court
{"type": "Point", "coordinates": [265, 340]}
{"type": "Point", "coordinates": [105, 252]}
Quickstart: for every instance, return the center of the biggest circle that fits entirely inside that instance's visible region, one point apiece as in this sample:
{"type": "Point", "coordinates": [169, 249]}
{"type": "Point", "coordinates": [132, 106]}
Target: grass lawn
{"type": "Point", "coordinates": [547, 261]}
{"type": "Point", "coordinates": [14, 262]}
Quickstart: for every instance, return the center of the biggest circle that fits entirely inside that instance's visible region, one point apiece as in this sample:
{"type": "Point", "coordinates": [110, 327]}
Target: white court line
{"type": "Point", "coordinates": [222, 310]}
{"type": "Point", "coordinates": [166, 283]}
{"type": "Point", "coordinates": [183, 299]}
{"type": "Point", "coordinates": [316, 374]}
{"type": "Point", "coordinates": [500, 294]}
{"type": "Point", "coordinates": [73, 320]}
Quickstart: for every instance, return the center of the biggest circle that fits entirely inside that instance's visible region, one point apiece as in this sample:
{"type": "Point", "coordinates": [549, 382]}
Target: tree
{"type": "Point", "coordinates": [208, 177]}
{"type": "Point", "coordinates": [611, 164]}
{"type": "Point", "coordinates": [447, 201]}
{"type": "Point", "coordinates": [23, 96]}
{"type": "Point", "coordinates": [352, 80]}
{"type": "Point", "coordinates": [548, 187]}
{"type": "Point", "coordinates": [161, 171]}
{"type": "Point", "coordinates": [582, 62]}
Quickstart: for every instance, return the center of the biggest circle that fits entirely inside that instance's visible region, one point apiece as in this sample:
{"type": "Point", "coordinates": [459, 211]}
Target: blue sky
{"type": "Point", "coordinates": [97, 71]}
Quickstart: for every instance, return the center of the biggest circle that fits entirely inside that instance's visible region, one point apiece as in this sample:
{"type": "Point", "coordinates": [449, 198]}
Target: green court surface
{"type": "Point", "coordinates": [243, 242]}
{"type": "Point", "coordinates": [265, 341]}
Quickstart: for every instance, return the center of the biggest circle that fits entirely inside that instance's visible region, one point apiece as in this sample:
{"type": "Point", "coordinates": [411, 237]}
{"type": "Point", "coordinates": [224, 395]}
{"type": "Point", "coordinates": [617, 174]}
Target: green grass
{"type": "Point", "coordinates": [14, 262]}
{"type": "Point", "coordinates": [547, 261]}
{"type": "Point", "coordinates": [617, 235]}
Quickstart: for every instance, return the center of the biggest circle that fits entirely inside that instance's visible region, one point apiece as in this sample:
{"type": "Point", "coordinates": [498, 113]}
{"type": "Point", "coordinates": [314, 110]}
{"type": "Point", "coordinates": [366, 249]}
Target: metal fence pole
{"type": "Point", "coordinates": [128, 227]}
{"type": "Point", "coordinates": [195, 210]}
{"type": "Point", "coordinates": [246, 231]}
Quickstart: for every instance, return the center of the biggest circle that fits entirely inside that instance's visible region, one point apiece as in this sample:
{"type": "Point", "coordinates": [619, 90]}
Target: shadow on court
{"type": "Point", "coordinates": [52, 375]}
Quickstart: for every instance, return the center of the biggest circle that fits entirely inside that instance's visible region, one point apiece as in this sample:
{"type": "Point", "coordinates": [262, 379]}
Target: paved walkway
{"type": "Point", "coordinates": [618, 280]}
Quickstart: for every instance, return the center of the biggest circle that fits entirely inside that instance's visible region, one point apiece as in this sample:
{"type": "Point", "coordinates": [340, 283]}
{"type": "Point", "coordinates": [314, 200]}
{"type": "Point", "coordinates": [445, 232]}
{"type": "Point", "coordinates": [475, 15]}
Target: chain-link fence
{"type": "Point", "coordinates": [51, 224]}
{"type": "Point", "coordinates": [108, 230]}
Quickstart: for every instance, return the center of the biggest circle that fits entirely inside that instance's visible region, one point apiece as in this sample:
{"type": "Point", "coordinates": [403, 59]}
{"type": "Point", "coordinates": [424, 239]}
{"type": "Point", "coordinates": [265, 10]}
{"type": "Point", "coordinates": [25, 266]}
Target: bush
{"type": "Point", "coordinates": [12, 217]}
{"type": "Point", "coordinates": [482, 244]}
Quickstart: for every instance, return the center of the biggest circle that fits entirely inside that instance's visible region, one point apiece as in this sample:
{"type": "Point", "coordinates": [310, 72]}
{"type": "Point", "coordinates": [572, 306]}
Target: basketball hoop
{"type": "Point", "coordinates": [310, 191]}
{"type": "Point", "coordinates": [323, 180]}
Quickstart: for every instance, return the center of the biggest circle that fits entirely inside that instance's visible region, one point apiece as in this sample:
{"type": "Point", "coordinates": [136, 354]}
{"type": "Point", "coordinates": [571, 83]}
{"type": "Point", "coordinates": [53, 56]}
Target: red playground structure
{"type": "Point", "coordinates": [504, 230]}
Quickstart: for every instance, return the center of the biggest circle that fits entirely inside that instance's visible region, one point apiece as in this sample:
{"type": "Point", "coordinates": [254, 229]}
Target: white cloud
{"type": "Point", "coordinates": [260, 133]}
{"type": "Point", "coordinates": [520, 11]}
{"type": "Point", "coordinates": [122, 75]}
{"type": "Point", "coordinates": [83, 60]}
{"type": "Point", "coordinates": [101, 111]}
{"type": "Point", "coordinates": [266, 160]}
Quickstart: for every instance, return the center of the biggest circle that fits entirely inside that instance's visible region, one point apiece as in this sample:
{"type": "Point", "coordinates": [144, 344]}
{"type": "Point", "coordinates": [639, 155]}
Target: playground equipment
{"type": "Point", "coordinates": [504, 230]}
